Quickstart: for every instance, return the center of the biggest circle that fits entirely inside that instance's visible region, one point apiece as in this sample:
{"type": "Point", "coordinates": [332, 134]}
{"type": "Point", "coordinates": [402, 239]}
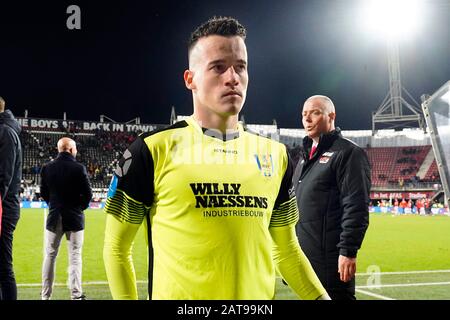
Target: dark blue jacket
{"type": "Point", "coordinates": [10, 164]}
{"type": "Point", "coordinates": [66, 188]}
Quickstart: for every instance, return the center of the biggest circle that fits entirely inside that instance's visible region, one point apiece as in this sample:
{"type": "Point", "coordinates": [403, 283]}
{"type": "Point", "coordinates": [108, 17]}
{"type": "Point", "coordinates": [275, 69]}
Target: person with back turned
{"type": "Point", "coordinates": [332, 185]}
{"type": "Point", "coordinates": [10, 176]}
{"type": "Point", "coordinates": [66, 188]}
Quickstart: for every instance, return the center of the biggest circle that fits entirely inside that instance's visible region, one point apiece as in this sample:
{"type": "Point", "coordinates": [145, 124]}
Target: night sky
{"type": "Point", "coordinates": [128, 58]}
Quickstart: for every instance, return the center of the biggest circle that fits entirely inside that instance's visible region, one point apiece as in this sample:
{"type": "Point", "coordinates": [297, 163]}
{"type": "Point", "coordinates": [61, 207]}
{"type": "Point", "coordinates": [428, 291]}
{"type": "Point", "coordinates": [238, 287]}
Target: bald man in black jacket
{"type": "Point", "coordinates": [332, 185]}
{"type": "Point", "coordinates": [66, 188]}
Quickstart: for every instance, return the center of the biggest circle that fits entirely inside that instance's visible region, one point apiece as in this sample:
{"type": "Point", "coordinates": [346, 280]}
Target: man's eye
{"type": "Point", "coordinates": [219, 68]}
{"type": "Point", "coordinates": [240, 68]}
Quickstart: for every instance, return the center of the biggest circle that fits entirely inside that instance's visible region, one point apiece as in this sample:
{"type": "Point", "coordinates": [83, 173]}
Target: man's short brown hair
{"type": "Point", "coordinates": [222, 26]}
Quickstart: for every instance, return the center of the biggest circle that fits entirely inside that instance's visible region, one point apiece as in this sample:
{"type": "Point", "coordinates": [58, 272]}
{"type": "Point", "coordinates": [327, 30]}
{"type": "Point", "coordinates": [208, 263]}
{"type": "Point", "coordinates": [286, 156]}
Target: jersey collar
{"type": "Point", "coordinates": [215, 134]}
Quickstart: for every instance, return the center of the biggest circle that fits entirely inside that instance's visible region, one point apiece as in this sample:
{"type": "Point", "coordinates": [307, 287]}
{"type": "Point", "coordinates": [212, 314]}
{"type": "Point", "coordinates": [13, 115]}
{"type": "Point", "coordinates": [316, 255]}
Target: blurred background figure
{"type": "Point", "coordinates": [10, 176]}
{"type": "Point", "coordinates": [66, 188]}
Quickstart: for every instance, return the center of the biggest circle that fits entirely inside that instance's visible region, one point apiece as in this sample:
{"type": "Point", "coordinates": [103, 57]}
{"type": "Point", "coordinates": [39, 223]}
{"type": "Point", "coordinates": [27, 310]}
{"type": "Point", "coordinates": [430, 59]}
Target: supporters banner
{"type": "Point", "coordinates": [414, 210]}
{"type": "Point", "coordinates": [33, 205]}
{"type": "Point", "coordinates": [43, 205]}
{"type": "Point", "coordinates": [66, 125]}
{"type": "Point", "coordinates": [96, 205]}
{"type": "Point", "coordinates": [401, 195]}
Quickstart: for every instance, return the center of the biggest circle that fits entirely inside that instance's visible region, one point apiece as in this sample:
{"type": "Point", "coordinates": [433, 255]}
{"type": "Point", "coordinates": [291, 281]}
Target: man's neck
{"type": "Point", "coordinates": [224, 125]}
{"type": "Point", "coordinates": [316, 139]}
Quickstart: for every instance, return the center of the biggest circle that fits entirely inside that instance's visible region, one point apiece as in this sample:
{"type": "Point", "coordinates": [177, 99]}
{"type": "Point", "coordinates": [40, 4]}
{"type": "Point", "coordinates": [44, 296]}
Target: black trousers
{"type": "Point", "coordinates": [342, 290]}
{"type": "Point", "coordinates": [341, 295]}
{"type": "Point", "coordinates": [8, 287]}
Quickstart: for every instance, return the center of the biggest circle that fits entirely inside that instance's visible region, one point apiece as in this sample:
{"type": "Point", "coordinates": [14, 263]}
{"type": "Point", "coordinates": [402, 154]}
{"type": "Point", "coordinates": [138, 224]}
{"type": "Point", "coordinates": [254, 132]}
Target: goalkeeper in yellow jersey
{"type": "Point", "coordinates": [215, 199]}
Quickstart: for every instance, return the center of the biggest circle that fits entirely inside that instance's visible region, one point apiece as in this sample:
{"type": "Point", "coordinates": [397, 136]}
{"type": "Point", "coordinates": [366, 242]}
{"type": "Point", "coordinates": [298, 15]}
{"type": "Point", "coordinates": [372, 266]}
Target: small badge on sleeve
{"type": "Point", "coordinates": [112, 186]}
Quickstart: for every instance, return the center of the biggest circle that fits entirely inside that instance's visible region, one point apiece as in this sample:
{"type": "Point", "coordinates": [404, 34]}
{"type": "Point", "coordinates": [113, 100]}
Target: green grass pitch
{"type": "Point", "coordinates": [398, 244]}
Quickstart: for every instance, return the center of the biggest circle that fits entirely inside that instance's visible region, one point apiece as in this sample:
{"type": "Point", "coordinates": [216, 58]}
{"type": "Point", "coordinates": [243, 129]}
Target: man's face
{"type": "Point", "coordinates": [218, 75]}
{"type": "Point", "coordinates": [316, 118]}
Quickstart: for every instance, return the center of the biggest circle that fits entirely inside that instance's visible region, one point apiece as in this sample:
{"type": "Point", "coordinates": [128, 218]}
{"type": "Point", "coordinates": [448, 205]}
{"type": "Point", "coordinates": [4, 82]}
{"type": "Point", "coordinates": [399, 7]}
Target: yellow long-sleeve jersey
{"type": "Point", "coordinates": [214, 209]}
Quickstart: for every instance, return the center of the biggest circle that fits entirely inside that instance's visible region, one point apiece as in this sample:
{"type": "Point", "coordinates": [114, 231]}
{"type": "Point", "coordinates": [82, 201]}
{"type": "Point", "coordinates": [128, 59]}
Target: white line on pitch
{"type": "Point", "coordinates": [92, 283]}
{"type": "Point", "coordinates": [404, 285]}
{"type": "Point", "coordinates": [402, 272]}
{"type": "Point", "coordinates": [379, 296]}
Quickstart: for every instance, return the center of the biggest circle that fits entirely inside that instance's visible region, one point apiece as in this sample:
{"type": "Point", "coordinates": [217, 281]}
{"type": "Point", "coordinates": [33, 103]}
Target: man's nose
{"type": "Point", "coordinates": [231, 77]}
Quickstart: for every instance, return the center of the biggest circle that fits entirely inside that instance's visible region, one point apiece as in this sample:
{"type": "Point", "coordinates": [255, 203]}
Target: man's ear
{"type": "Point", "coordinates": [332, 116]}
{"type": "Point", "coordinates": [189, 79]}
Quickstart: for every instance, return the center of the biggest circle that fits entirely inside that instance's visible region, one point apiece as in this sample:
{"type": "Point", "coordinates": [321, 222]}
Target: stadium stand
{"type": "Point", "coordinates": [98, 150]}
{"type": "Point", "coordinates": [401, 160]}
{"type": "Point", "coordinates": [395, 164]}
{"type": "Point", "coordinates": [93, 151]}
{"type": "Point", "coordinates": [432, 173]}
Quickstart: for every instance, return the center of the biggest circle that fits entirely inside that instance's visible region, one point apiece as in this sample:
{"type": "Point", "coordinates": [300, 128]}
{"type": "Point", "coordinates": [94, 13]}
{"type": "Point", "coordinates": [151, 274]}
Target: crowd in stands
{"type": "Point", "coordinates": [399, 167]}
{"type": "Point", "coordinates": [100, 153]}
{"type": "Point", "coordinates": [100, 150]}
{"type": "Point", "coordinates": [405, 177]}
{"type": "Point", "coordinates": [411, 150]}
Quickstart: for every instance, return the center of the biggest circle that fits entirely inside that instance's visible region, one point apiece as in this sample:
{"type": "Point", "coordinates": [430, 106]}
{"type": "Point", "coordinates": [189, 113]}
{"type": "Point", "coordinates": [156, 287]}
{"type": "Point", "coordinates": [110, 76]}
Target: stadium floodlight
{"type": "Point", "coordinates": [392, 19]}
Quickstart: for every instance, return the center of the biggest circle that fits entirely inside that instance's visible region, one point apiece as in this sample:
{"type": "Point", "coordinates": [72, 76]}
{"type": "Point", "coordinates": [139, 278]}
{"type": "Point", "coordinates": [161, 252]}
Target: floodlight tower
{"type": "Point", "coordinates": [395, 110]}
{"type": "Point", "coordinates": [391, 19]}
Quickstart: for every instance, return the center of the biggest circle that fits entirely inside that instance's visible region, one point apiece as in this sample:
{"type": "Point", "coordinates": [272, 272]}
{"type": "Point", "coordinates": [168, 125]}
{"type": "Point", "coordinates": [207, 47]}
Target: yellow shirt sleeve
{"type": "Point", "coordinates": [293, 265]}
{"type": "Point", "coordinates": [119, 237]}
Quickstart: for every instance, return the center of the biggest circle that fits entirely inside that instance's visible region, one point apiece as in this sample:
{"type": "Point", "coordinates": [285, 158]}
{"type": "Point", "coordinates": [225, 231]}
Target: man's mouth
{"type": "Point", "coordinates": [232, 93]}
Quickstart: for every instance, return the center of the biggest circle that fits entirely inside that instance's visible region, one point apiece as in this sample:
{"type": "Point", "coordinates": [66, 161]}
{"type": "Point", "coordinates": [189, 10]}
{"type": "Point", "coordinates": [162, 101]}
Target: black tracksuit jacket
{"type": "Point", "coordinates": [65, 186]}
{"type": "Point", "coordinates": [332, 191]}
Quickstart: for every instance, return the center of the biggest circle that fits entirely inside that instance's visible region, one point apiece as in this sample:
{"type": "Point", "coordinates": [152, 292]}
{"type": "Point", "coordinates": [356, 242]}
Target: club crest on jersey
{"type": "Point", "coordinates": [265, 164]}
